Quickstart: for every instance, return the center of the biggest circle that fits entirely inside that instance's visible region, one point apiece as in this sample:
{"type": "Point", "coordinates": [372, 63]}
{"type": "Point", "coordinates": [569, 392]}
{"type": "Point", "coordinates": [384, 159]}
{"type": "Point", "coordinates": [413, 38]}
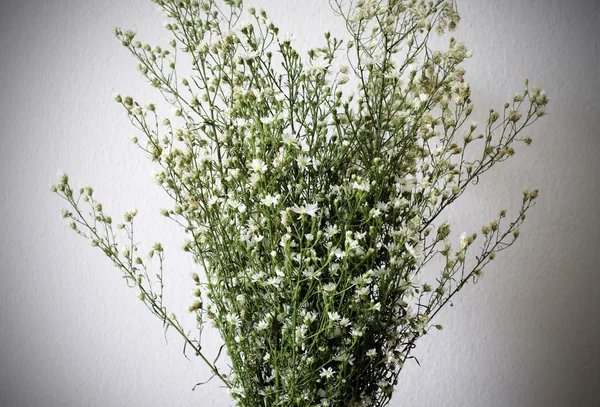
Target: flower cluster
{"type": "Point", "coordinates": [311, 209]}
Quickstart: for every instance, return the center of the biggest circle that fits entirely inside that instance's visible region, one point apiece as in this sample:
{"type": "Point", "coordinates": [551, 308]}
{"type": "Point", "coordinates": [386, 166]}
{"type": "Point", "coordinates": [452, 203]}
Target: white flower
{"type": "Point", "coordinates": [371, 353]}
{"type": "Point", "coordinates": [255, 278]}
{"type": "Point", "coordinates": [337, 252]}
{"type": "Point", "coordinates": [382, 206]}
{"type": "Point", "coordinates": [354, 245]}
{"type": "Point", "coordinates": [375, 213]}
{"type": "Point", "coordinates": [239, 206]}
{"type": "Point", "coordinates": [334, 316]}
{"type": "Point", "coordinates": [288, 37]}
{"type": "Point", "coordinates": [344, 322]}
{"type": "Point", "coordinates": [233, 319]}
{"type": "Point", "coordinates": [236, 391]}
{"type": "Point", "coordinates": [363, 291]}
{"type": "Point", "coordinates": [307, 209]}
{"type": "Point", "coordinates": [309, 237]}
{"type": "Point", "coordinates": [329, 287]}
{"type": "Point", "coordinates": [463, 241]}
{"type": "Point", "coordinates": [254, 179]}
{"type": "Point", "coordinates": [369, 61]}
{"type": "Point", "coordinates": [268, 120]}
{"type": "Point", "coordinates": [415, 251]}
{"type": "Point", "coordinates": [362, 186]}
{"type": "Point", "coordinates": [311, 273]}
{"type": "Point", "coordinates": [249, 55]}
{"type": "Point", "coordinates": [317, 66]}
{"type": "Point", "coordinates": [356, 332]}
{"type": "Point", "coordinates": [262, 325]}
{"type": "Point", "coordinates": [258, 166]}
{"type": "Point", "coordinates": [327, 373]}
{"type": "Point", "coordinates": [240, 122]}
{"type": "Point", "coordinates": [289, 140]}
{"type": "Point", "coordinates": [310, 317]}
{"type": "Point", "coordinates": [409, 184]}
{"type": "Point", "coordinates": [233, 173]}
{"type": "Point", "coordinates": [301, 332]}
{"type": "Point", "coordinates": [303, 161]}
{"type": "Point", "coordinates": [270, 200]}
{"type": "Point", "coordinates": [331, 231]}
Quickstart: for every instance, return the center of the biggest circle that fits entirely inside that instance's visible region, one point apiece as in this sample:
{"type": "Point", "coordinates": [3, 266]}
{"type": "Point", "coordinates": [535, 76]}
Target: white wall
{"type": "Point", "coordinates": [72, 333]}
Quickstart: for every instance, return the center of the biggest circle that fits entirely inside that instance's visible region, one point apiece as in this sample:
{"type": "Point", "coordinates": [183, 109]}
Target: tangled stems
{"type": "Point", "coordinates": [311, 189]}
{"type": "Point", "coordinates": [96, 227]}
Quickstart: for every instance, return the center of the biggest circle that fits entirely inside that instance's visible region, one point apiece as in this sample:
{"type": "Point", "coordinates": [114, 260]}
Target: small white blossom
{"type": "Point", "coordinates": [317, 67]}
{"type": "Point", "coordinates": [415, 251]}
{"type": "Point", "coordinates": [233, 319]}
{"type": "Point", "coordinates": [329, 287]}
{"type": "Point", "coordinates": [258, 166]}
{"type": "Point", "coordinates": [363, 291]}
{"type": "Point", "coordinates": [356, 332]}
{"type": "Point", "coordinates": [361, 186]}
{"type": "Point", "coordinates": [337, 252]}
{"type": "Point", "coordinates": [307, 209]}
{"type": "Point", "coordinates": [344, 322]}
{"type": "Point", "coordinates": [303, 161]}
{"type": "Point", "coordinates": [270, 200]}
{"type": "Point", "coordinates": [463, 241]}
{"type": "Point", "coordinates": [287, 37]}
{"type": "Point", "coordinates": [240, 122]}
{"type": "Point", "coordinates": [382, 207]}
{"type": "Point", "coordinates": [268, 120]}
{"type": "Point", "coordinates": [334, 316]}
{"type": "Point", "coordinates": [289, 140]}
{"type": "Point", "coordinates": [331, 231]}
{"type": "Point", "coordinates": [254, 179]}
{"type": "Point", "coordinates": [311, 273]}
{"type": "Point", "coordinates": [248, 56]}
{"type": "Point", "coordinates": [327, 373]}
{"type": "Point", "coordinates": [310, 317]}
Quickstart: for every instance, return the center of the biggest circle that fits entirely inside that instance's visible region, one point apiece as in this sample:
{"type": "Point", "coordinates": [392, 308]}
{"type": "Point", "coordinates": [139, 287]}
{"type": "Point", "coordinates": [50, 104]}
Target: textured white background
{"type": "Point", "coordinates": [72, 333]}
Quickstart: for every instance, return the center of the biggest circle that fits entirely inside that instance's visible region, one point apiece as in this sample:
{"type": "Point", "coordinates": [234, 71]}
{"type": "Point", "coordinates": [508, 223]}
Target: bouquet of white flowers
{"type": "Point", "coordinates": [311, 189]}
